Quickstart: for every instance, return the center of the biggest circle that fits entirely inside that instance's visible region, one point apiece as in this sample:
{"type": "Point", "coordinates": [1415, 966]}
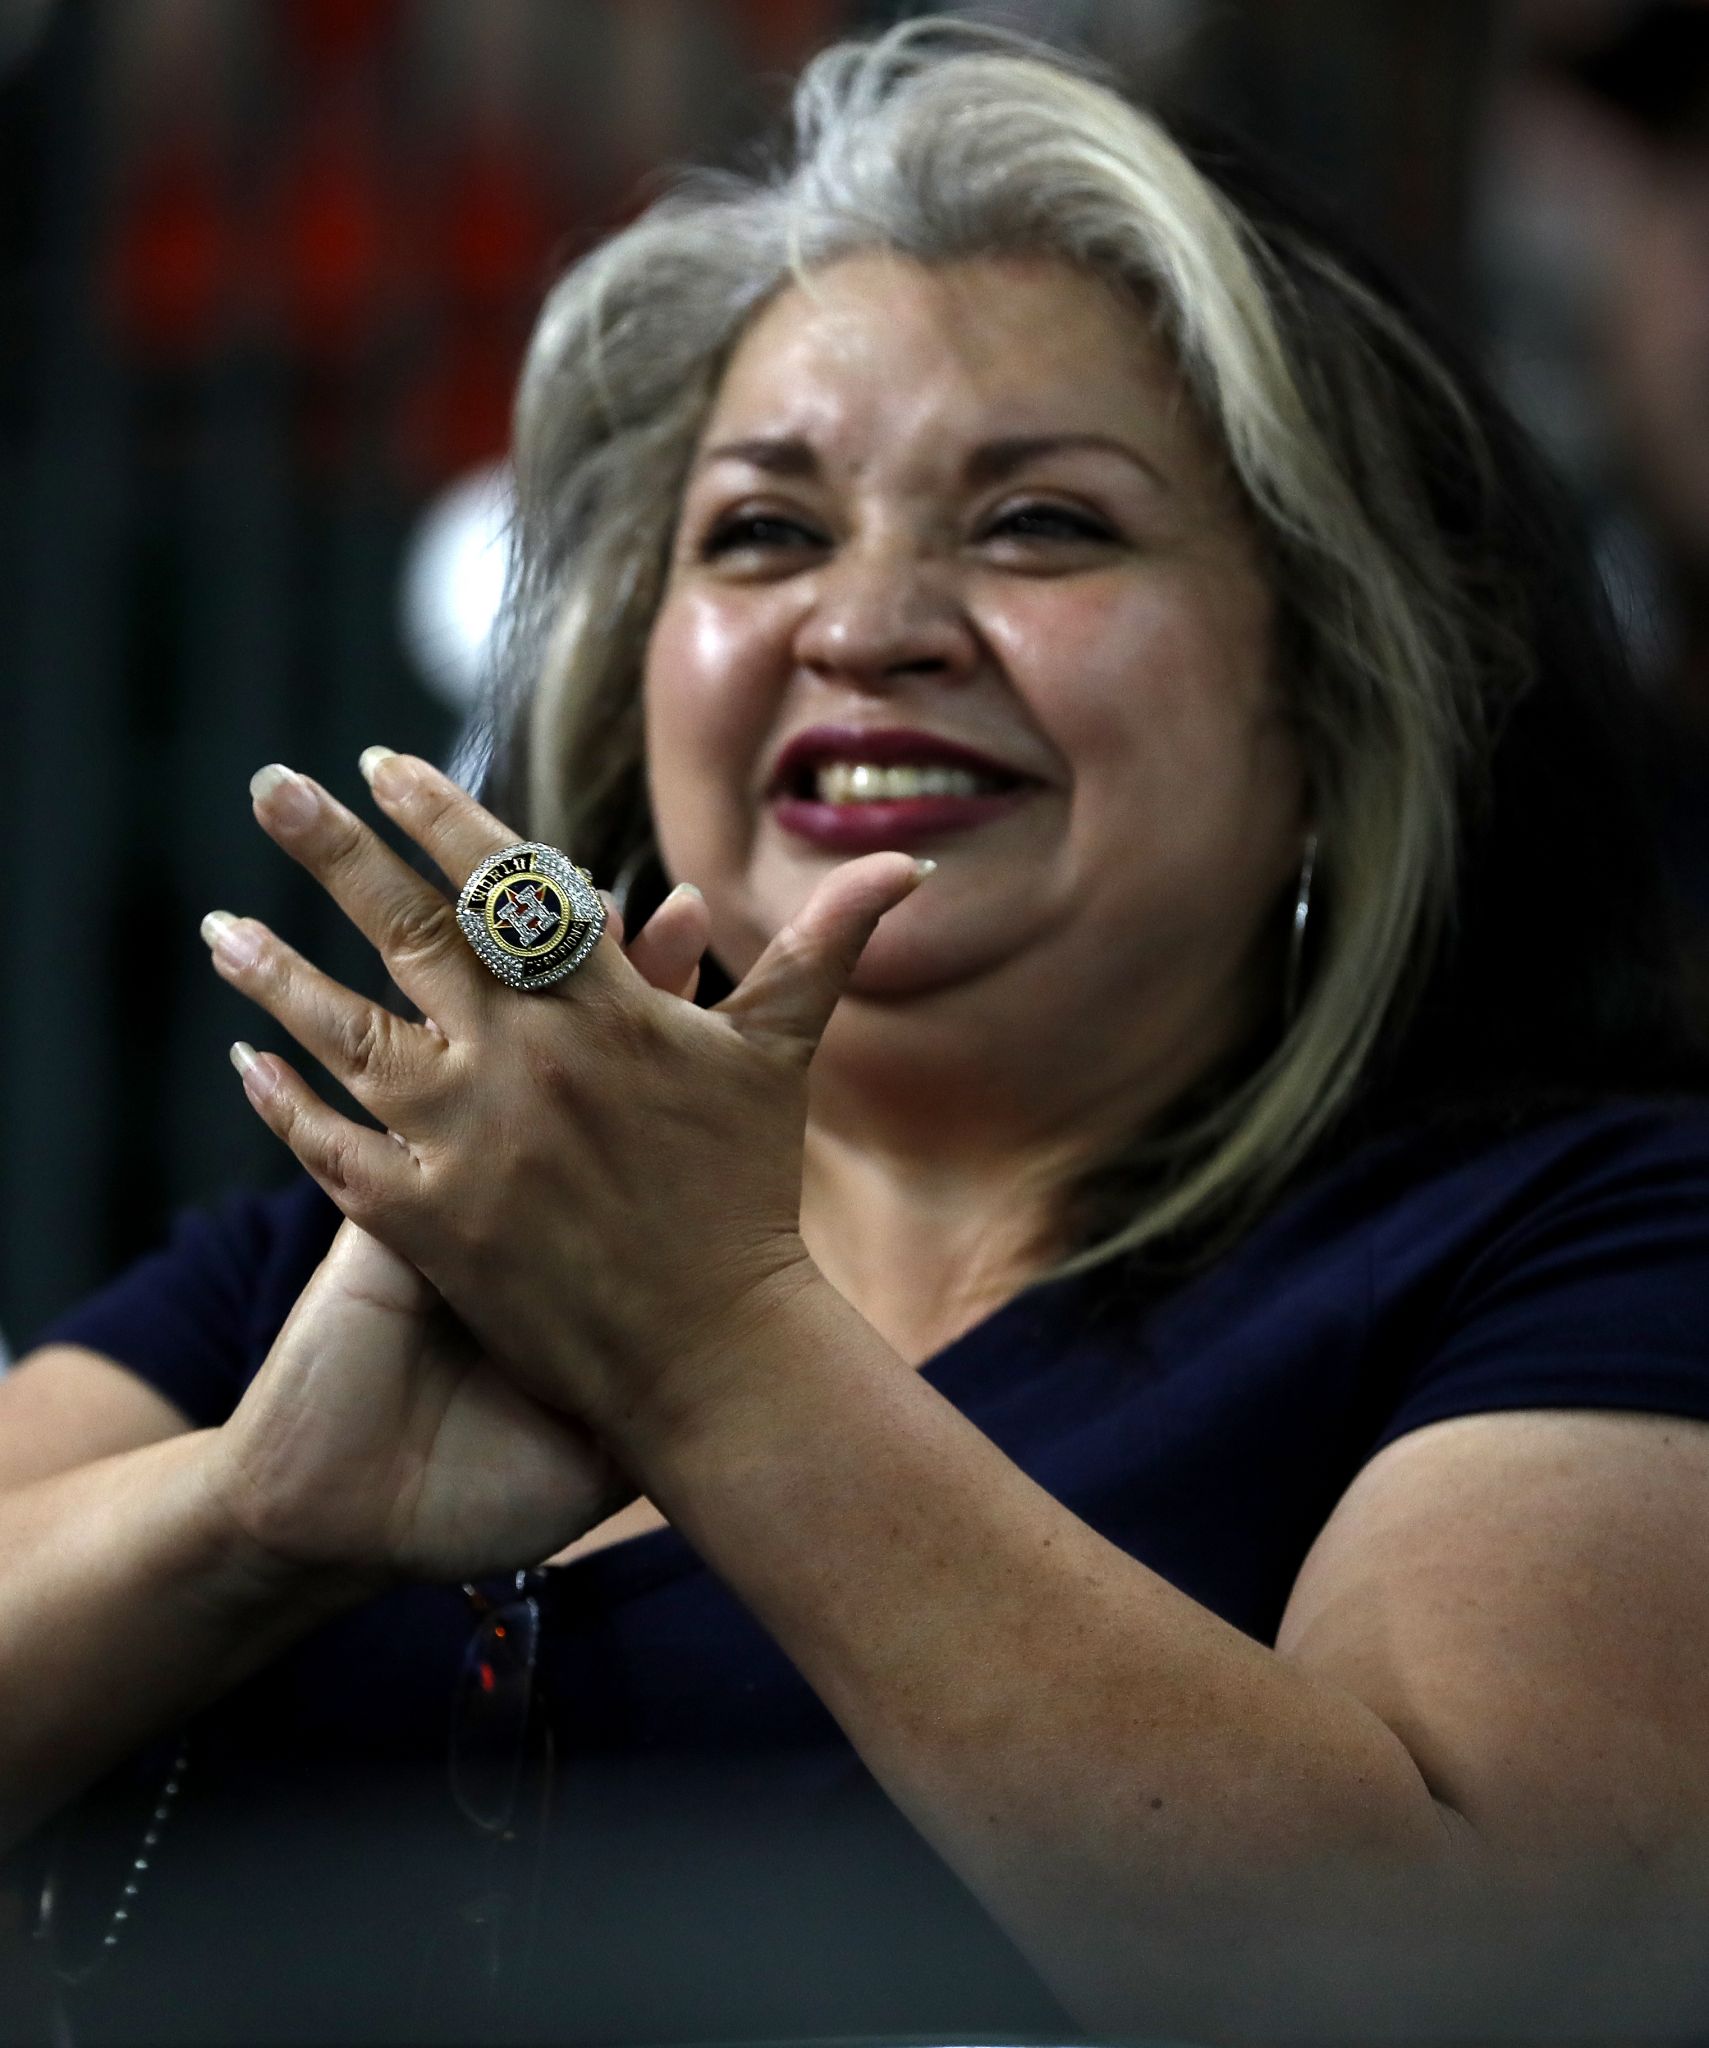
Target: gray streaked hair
{"type": "Point", "coordinates": [943, 143]}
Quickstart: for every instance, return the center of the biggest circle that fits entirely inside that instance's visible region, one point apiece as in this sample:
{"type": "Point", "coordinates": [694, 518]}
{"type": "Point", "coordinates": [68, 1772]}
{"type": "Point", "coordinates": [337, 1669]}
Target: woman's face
{"type": "Point", "coordinates": [970, 508]}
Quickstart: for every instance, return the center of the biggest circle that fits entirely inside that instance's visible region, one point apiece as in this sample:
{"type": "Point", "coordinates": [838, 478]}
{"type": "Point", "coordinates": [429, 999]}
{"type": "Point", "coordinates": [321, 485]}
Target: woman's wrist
{"type": "Point", "coordinates": [716, 1373]}
{"type": "Point", "coordinates": [250, 1566]}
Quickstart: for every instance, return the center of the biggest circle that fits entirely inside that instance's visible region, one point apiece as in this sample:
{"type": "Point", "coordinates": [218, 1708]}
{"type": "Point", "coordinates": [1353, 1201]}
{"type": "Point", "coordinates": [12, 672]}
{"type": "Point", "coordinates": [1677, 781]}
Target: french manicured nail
{"type": "Point", "coordinates": [684, 889]}
{"type": "Point", "coordinates": [284, 791]}
{"type": "Point", "coordinates": [229, 941]}
{"type": "Point", "coordinates": [923, 868]}
{"type": "Point", "coordinates": [257, 1081]}
{"type": "Point", "coordinates": [370, 759]}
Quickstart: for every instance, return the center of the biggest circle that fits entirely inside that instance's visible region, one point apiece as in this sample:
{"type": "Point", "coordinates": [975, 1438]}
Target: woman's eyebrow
{"type": "Point", "coordinates": [994, 460]}
{"type": "Point", "coordinates": [786, 455]}
{"type": "Point", "coordinates": [789, 456]}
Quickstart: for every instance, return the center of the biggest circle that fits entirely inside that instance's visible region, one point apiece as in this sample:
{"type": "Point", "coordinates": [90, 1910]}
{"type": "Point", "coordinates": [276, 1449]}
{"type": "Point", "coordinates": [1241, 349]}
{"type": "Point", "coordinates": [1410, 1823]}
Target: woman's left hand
{"type": "Point", "coordinates": [601, 1179]}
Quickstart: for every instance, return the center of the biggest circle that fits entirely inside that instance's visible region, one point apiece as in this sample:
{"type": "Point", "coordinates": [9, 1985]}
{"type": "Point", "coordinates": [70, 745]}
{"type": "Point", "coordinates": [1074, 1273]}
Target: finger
{"type": "Point", "coordinates": [666, 950]}
{"type": "Point", "coordinates": [394, 908]}
{"type": "Point", "coordinates": [790, 991]}
{"type": "Point", "coordinates": [613, 915]}
{"type": "Point", "coordinates": [360, 1043]}
{"type": "Point", "coordinates": [457, 833]}
{"type": "Point", "coordinates": [443, 819]}
{"type": "Point", "coordinates": [363, 1171]}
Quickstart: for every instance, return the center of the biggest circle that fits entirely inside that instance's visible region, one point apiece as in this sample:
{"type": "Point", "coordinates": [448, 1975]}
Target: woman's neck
{"type": "Point", "coordinates": [924, 1253]}
{"type": "Point", "coordinates": [944, 1133]}
{"type": "Point", "coordinates": [928, 1207]}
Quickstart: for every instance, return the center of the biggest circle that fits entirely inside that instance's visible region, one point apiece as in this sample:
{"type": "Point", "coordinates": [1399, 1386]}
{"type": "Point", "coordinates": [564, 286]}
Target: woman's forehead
{"type": "Point", "coordinates": [879, 346]}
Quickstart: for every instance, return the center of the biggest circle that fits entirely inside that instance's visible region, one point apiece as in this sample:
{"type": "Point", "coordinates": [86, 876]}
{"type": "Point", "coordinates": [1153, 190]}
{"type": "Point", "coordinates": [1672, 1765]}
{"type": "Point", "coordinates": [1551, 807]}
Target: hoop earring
{"type": "Point", "coordinates": [1294, 978]}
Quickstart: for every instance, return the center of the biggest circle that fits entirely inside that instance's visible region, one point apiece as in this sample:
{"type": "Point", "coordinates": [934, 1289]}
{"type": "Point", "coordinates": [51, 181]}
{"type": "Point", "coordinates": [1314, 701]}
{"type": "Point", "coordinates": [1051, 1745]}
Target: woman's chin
{"type": "Point", "coordinates": [926, 946]}
{"type": "Point", "coordinates": [905, 958]}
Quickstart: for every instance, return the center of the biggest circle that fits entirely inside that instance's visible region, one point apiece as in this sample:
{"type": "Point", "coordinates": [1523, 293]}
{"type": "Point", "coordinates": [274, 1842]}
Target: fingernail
{"type": "Point", "coordinates": [284, 791]}
{"type": "Point", "coordinates": [229, 941]}
{"type": "Point", "coordinates": [684, 889]}
{"type": "Point", "coordinates": [923, 868]}
{"type": "Point", "coordinates": [257, 1081]}
{"type": "Point", "coordinates": [370, 760]}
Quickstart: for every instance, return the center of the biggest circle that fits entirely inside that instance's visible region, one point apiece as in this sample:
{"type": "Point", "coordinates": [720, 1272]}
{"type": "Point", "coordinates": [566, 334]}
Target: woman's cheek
{"type": "Point", "coordinates": [707, 714]}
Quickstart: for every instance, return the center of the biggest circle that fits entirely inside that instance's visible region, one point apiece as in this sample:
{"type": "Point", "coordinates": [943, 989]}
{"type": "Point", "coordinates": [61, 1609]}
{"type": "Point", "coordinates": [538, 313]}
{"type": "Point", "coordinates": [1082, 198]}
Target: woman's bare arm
{"type": "Point", "coordinates": [375, 1444]}
{"type": "Point", "coordinates": [1184, 1829]}
{"type": "Point", "coordinates": [129, 1597]}
{"type": "Point", "coordinates": [64, 1405]}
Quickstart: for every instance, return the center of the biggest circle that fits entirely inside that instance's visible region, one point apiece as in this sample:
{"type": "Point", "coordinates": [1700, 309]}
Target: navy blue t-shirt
{"type": "Point", "coordinates": [718, 1863]}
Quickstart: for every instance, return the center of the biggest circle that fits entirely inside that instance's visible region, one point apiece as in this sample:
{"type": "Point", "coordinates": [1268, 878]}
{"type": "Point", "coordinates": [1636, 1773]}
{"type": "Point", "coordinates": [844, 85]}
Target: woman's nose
{"type": "Point", "coordinates": [879, 614]}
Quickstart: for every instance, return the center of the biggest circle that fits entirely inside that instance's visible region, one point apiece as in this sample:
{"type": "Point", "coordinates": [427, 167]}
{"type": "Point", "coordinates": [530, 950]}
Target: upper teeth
{"type": "Point", "coordinates": [854, 782]}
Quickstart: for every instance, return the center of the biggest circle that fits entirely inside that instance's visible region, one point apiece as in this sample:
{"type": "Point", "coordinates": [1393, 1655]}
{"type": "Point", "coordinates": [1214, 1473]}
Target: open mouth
{"type": "Point", "coordinates": [872, 782]}
{"type": "Point", "coordinates": [852, 788]}
{"type": "Point", "coordinates": [868, 807]}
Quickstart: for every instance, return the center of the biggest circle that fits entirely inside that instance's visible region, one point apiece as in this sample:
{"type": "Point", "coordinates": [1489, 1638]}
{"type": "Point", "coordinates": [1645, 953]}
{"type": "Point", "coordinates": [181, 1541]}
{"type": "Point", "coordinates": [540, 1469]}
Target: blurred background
{"type": "Point", "coordinates": [267, 268]}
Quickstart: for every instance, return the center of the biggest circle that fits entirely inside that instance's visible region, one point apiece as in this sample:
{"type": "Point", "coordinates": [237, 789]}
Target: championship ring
{"type": "Point", "coordinates": [531, 915]}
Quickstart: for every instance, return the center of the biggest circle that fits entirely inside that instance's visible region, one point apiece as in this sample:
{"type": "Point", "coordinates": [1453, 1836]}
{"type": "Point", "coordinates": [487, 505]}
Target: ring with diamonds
{"type": "Point", "coordinates": [531, 914]}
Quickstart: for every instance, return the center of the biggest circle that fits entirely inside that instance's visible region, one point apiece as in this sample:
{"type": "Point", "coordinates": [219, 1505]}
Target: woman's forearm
{"type": "Point", "coordinates": [128, 1599]}
{"type": "Point", "coordinates": [1160, 1810]}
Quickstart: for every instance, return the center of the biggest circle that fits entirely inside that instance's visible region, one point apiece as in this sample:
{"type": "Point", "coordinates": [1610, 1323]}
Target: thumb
{"type": "Point", "coordinates": [787, 996]}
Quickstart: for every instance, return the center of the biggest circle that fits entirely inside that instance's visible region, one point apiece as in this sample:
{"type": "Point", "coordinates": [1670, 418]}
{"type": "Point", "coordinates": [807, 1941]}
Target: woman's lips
{"type": "Point", "coordinates": [883, 823]}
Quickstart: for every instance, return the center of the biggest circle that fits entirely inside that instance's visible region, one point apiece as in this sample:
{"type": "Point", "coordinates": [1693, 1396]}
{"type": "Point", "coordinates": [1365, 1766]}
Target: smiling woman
{"type": "Point", "coordinates": [1033, 555]}
{"type": "Point", "coordinates": [1101, 1317]}
{"type": "Point", "coordinates": [1180, 334]}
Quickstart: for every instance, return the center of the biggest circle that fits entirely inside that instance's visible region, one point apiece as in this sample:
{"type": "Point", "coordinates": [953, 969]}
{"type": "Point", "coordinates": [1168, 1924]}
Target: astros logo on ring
{"type": "Point", "coordinates": [526, 914]}
{"type": "Point", "coordinates": [530, 914]}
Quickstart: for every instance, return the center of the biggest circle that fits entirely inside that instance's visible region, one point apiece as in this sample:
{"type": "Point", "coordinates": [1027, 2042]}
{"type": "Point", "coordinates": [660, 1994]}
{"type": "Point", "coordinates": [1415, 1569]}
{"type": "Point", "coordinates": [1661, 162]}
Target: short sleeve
{"type": "Point", "coordinates": [196, 1318]}
{"type": "Point", "coordinates": [1591, 1291]}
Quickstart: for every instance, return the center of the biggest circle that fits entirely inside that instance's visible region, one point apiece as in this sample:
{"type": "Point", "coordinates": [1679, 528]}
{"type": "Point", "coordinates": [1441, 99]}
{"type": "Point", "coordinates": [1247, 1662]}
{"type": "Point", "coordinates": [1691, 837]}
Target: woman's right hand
{"type": "Point", "coordinates": [377, 1440]}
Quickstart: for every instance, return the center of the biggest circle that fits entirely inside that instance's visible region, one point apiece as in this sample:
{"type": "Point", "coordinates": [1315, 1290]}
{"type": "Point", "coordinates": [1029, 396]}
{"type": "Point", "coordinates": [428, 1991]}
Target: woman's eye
{"type": "Point", "coordinates": [757, 532]}
{"type": "Point", "coordinates": [1048, 522]}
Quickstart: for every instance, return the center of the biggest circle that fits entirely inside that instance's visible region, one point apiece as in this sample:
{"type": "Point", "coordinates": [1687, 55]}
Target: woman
{"type": "Point", "coordinates": [1170, 1345]}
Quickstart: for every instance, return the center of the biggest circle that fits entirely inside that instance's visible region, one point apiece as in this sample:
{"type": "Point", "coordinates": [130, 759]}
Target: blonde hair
{"type": "Point", "coordinates": [943, 143]}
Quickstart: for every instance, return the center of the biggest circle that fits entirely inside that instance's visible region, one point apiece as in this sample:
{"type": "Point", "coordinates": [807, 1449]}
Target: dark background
{"type": "Point", "coordinates": [266, 271]}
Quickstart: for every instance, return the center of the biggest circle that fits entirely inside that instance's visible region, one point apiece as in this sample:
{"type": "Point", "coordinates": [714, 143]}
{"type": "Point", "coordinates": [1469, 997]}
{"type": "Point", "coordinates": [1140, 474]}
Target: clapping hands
{"type": "Point", "coordinates": [575, 1200]}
